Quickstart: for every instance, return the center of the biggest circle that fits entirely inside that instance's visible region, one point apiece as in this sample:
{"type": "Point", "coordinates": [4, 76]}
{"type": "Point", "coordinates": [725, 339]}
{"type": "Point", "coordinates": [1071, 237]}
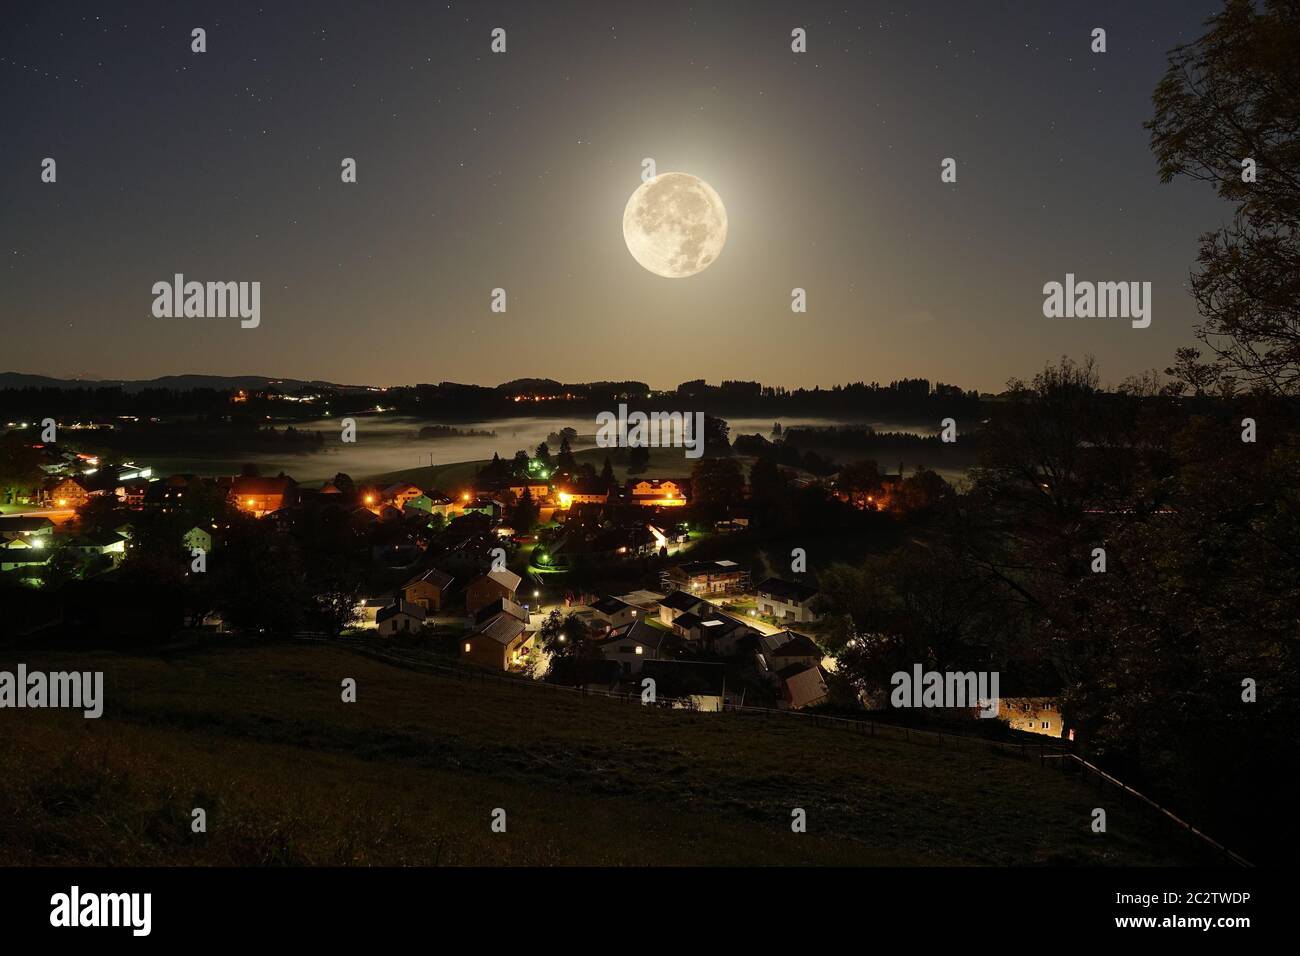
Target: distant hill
{"type": "Point", "coordinates": [179, 382]}
{"type": "Point", "coordinates": [541, 386]}
{"type": "Point", "coordinates": [544, 386]}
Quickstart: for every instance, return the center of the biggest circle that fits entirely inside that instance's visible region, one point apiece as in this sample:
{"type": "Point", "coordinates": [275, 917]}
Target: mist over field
{"type": "Point", "coordinates": [390, 443]}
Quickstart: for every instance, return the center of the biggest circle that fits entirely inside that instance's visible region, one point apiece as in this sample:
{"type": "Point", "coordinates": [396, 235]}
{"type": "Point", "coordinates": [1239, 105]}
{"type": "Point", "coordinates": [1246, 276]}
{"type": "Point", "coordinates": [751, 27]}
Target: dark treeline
{"type": "Point", "coordinates": [102, 404]}
{"type": "Point", "coordinates": [905, 400]}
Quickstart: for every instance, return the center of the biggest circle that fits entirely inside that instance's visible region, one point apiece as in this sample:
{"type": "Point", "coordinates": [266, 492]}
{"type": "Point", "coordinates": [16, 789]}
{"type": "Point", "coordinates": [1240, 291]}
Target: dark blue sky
{"type": "Point", "coordinates": [479, 170]}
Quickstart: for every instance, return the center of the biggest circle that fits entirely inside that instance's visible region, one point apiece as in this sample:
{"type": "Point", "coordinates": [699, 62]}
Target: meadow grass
{"type": "Point", "coordinates": [258, 736]}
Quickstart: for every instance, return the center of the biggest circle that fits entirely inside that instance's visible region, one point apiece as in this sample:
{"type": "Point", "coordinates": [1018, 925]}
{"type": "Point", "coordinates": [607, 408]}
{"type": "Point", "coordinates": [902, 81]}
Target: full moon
{"type": "Point", "coordinates": [675, 225]}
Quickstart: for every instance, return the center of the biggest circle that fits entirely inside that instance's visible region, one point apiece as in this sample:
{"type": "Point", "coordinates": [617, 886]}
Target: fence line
{"type": "Point", "coordinates": [1023, 749]}
{"type": "Point", "coordinates": [1146, 802]}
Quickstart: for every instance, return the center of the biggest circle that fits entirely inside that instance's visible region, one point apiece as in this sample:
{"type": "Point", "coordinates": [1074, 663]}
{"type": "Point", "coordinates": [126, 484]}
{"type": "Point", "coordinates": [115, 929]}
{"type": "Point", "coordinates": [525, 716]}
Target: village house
{"type": "Point", "coordinates": [647, 602]}
{"type": "Point", "coordinates": [1029, 698]}
{"type": "Point", "coordinates": [487, 588]}
{"type": "Point", "coordinates": [440, 504]}
{"type": "Point", "coordinates": [633, 644]}
{"type": "Point", "coordinates": [132, 494]}
{"type": "Point", "coordinates": [96, 544]}
{"type": "Point", "coordinates": [429, 589]}
{"type": "Point", "coordinates": [23, 553]}
{"type": "Point", "coordinates": [802, 685]}
{"type": "Point", "coordinates": [262, 496]}
{"type": "Point", "coordinates": [420, 503]}
{"type": "Point", "coordinates": [1033, 715]}
{"type": "Point", "coordinates": [723, 634]}
{"type": "Point", "coordinates": [171, 492]}
{"type": "Point", "coordinates": [540, 491]}
{"type": "Point", "coordinates": [65, 493]}
{"type": "Point", "coordinates": [500, 606]}
{"type": "Point", "coordinates": [708, 577]}
{"type": "Point", "coordinates": [787, 601]}
{"type": "Point", "coordinates": [614, 613]}
{"type": "Point", "coordinates": [678, 603]}
{"type": "Point", "coordinates": [659, 492]}
{"type": "Point", "coordinates": [400, 618]}
{"type": "Point", "coordinates": [12, 529]}
{"type": "Point", "coordinates": [688, 626]}
{"type": "Point", "coordinates": [581, 493]}
{"type": "Point", "coordinates": [776, 652]}
{"type": "Point", "coordinates": [503, 642]}
{"type": "Point", "coordinates": [397, 495]}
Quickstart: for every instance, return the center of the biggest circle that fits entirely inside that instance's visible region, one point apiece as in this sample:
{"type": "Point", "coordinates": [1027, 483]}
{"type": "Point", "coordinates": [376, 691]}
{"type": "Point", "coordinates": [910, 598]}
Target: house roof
{"type": "Point", "coordinates": [503, 628]}
{"type": "Point", "coordinates": [99, 539]}
{"type": "Point", "coordinates": [401, 607]}
{"type": "Point", "coordinates": [693, 568]}
{"type": "Point", "coordinates": [658, 483]}
{"type": "Point", "coordinates": [55, 483]}
{"type": "Point", "coordinates": [642, 599]}
{"type": "Point", "coordinates": [439, 579]}
{"type": "Point", "coordinates": [655, 638]}
{"type": "Point", "coordinates": [791, 645]}
{"type": "Point", "coordinates": [789, 591]}
{"type": "Point", "coordinates": [687, 621]}
{"type": "Point", "coordinates": [500, 606]}
{"type": "Point", "coordinates": [681, 601]}
{"type": "Point", "coordinates": [611, 605]}
{"type": "Point", "coordinates": [24, 525]}
{"type": "Point", "coordinates": [507, 579]}
{"type": "Point", "coordinates": [803, 684]}
{"type": "Point", "coordinates": [719, 624]}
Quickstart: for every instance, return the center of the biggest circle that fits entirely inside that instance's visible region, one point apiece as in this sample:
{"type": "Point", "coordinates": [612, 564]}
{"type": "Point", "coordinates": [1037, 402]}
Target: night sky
{"type": "Point", "coordinates": [478, 170]}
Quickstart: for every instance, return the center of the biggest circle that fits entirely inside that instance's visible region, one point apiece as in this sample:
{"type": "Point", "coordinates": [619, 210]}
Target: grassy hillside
{"type": "Point", "coordinates": [410, 774]}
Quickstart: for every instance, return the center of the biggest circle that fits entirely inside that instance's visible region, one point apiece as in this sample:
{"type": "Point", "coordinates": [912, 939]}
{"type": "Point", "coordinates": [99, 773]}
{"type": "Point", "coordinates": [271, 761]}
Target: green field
{"type": "Point", "coordinates": [411, 773]}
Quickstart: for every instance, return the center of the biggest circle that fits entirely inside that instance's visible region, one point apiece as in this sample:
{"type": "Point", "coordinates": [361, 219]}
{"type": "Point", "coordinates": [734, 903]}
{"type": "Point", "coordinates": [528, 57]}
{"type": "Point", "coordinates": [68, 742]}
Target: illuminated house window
{"type": "Point", "coordinates": [466, 648]}
{"type": "Point", "coordinates": [639, 649]}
